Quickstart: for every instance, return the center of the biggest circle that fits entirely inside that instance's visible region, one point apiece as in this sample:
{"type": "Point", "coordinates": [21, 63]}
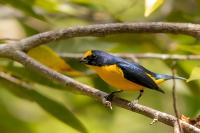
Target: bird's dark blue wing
{"type": "Point", "coordinates": [138, 75]}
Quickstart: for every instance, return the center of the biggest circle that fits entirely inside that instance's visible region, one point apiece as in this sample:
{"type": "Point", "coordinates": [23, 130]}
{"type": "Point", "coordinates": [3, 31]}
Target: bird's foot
{"type": "Point", "coordinates": [108, 99]}
{"type": "Point", "coordinates": [133, 103]}
{"type": "Point", "coordinates": [155, 119]}
{"type": "Point", "coordinates": [106, 102]}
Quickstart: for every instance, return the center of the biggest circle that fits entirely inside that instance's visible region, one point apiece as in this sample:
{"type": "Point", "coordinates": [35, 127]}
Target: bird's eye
{"type": "Point", "coordinates": [94, 56]}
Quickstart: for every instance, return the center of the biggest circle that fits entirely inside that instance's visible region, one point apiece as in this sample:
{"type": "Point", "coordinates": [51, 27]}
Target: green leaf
{"type": "Point", "coordinates": [151, 6]}
{"type": "Point", "coordinates": [48, 5]}
{"type": "Point", "coordinates": [195, 75]}
{"type": "Point", "coordinates": [54, 108]}
{"type": "Point", "coordinates": [9, 123]}
{"type": "Point", "coordinates": [15, 89]}
{"type": "Point", "coordinates": [57, 6]}
{"type": "Point", "coordinates": [59, 111]}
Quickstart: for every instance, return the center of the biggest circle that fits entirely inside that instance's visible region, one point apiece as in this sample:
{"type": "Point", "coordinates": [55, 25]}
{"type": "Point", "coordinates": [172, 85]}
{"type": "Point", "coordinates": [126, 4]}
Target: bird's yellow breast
{"type": "Point", "coordinates": [114, 76]}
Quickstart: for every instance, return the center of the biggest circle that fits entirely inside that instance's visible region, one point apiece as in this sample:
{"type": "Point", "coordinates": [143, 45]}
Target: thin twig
{"type": "Point", "coordinates": [15, 81]}
{"type": "Point", "coordinates": [176, 128]}
{"type": "Point", "coordinates": [139, 56]}
{"type": "Point", "coordinates": [9, 39]}
{"type": "Point", "coordinates": [97, 94]}
{"type": "Point", "coordinates": [174, 98]}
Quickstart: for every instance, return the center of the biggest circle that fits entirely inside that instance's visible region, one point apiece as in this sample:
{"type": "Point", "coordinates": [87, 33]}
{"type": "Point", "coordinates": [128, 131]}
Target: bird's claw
{"type": "Point", "coordinates": [132, 103]}
{"type": "Point", "coordinates": [155, 119]}
{"type": "Point", "coordinates": [107, 103]}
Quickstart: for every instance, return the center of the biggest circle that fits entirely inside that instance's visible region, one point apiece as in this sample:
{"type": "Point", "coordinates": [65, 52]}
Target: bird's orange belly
{"type": "Point", "coordinates": [114, 76]}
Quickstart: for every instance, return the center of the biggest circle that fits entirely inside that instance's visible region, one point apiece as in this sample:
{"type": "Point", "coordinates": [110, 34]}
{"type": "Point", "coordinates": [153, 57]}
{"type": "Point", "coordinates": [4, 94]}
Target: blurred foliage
{"type": "Point", "coordinates": [24, 111]}
{"type": "Point", "coordinates": [49, 105]}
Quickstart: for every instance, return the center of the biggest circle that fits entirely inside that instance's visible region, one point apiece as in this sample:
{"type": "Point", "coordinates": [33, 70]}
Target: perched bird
{"type": "Point", "coordinates": [124, 75]}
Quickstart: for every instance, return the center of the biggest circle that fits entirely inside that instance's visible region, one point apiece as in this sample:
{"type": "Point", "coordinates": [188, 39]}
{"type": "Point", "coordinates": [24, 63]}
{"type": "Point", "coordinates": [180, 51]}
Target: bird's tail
{"type": "Point", "coordinates": [160, 90]}
{"type": "Point", "coordinates": [168, 77]}
{"type": "Point", "coordinates": [159, 78]}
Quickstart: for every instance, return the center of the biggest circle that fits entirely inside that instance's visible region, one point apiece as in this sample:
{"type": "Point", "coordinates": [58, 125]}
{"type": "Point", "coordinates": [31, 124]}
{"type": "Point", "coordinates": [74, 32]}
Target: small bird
{"type": "Point", "coordinates": [123, 75]}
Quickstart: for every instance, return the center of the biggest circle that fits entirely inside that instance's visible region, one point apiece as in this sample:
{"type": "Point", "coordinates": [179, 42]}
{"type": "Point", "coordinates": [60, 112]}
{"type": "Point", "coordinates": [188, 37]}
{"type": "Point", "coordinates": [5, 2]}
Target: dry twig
{"type": "Point", "coordinates": [174, 100]}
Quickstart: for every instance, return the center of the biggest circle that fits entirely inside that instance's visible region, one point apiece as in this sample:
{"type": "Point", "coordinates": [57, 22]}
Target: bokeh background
{"type": "Point", "coordinates": [21, 18]}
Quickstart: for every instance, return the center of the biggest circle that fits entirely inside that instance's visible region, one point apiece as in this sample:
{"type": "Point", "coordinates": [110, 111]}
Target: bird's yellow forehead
{"type": "Point", "coordinates": [87, 53]}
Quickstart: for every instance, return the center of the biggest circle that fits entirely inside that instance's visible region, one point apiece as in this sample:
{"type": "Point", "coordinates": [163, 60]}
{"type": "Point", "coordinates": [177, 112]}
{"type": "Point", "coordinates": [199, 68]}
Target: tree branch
{"type": "Point", "coordinates": [97, 94]}
{"type": "Point", "coordinates": [108, 29]}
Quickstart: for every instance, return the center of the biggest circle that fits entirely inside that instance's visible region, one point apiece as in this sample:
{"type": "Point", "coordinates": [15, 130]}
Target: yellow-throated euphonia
{"type": "Point", "coordinates": [123, 75]}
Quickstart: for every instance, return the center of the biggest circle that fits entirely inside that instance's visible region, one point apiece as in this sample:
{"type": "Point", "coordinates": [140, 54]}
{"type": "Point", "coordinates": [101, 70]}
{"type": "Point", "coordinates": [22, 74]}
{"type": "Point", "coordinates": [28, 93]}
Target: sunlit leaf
{"type": "Point", "coordinates": [195, 75]}
{"type": "Point", "coordinates": [48, 57]}
{"type": "Point", "coordinates": [151, 6]}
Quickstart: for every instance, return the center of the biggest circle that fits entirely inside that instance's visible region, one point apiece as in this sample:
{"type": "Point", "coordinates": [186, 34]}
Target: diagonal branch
{"type": "Point", "coordinates": [108, 29]}
{"type": "Point", "coordinates": [97, 94]}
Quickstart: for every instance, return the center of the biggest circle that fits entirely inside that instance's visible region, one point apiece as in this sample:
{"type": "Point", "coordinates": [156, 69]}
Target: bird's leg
{"type": "Point", "coordinates": [137, 99]}
{"type": "Point", "coordinates": [139, 96]}
{"type": "Point", "coordinates": [110, 96]}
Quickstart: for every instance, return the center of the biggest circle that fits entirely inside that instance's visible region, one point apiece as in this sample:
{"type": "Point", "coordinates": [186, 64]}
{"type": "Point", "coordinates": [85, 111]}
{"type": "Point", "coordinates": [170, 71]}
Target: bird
{"type": "Point", "coordinates": [122, 74]}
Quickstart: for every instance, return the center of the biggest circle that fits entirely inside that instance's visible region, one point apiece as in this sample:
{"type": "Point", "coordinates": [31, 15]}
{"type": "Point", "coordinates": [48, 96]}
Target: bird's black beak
{"type": "Point", "coordinates": [83, 60]}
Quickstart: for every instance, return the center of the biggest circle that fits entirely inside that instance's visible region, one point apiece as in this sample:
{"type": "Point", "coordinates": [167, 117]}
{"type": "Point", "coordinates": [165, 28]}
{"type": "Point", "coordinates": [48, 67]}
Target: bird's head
{"type": "Point", "coordinates": [97, 58]}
